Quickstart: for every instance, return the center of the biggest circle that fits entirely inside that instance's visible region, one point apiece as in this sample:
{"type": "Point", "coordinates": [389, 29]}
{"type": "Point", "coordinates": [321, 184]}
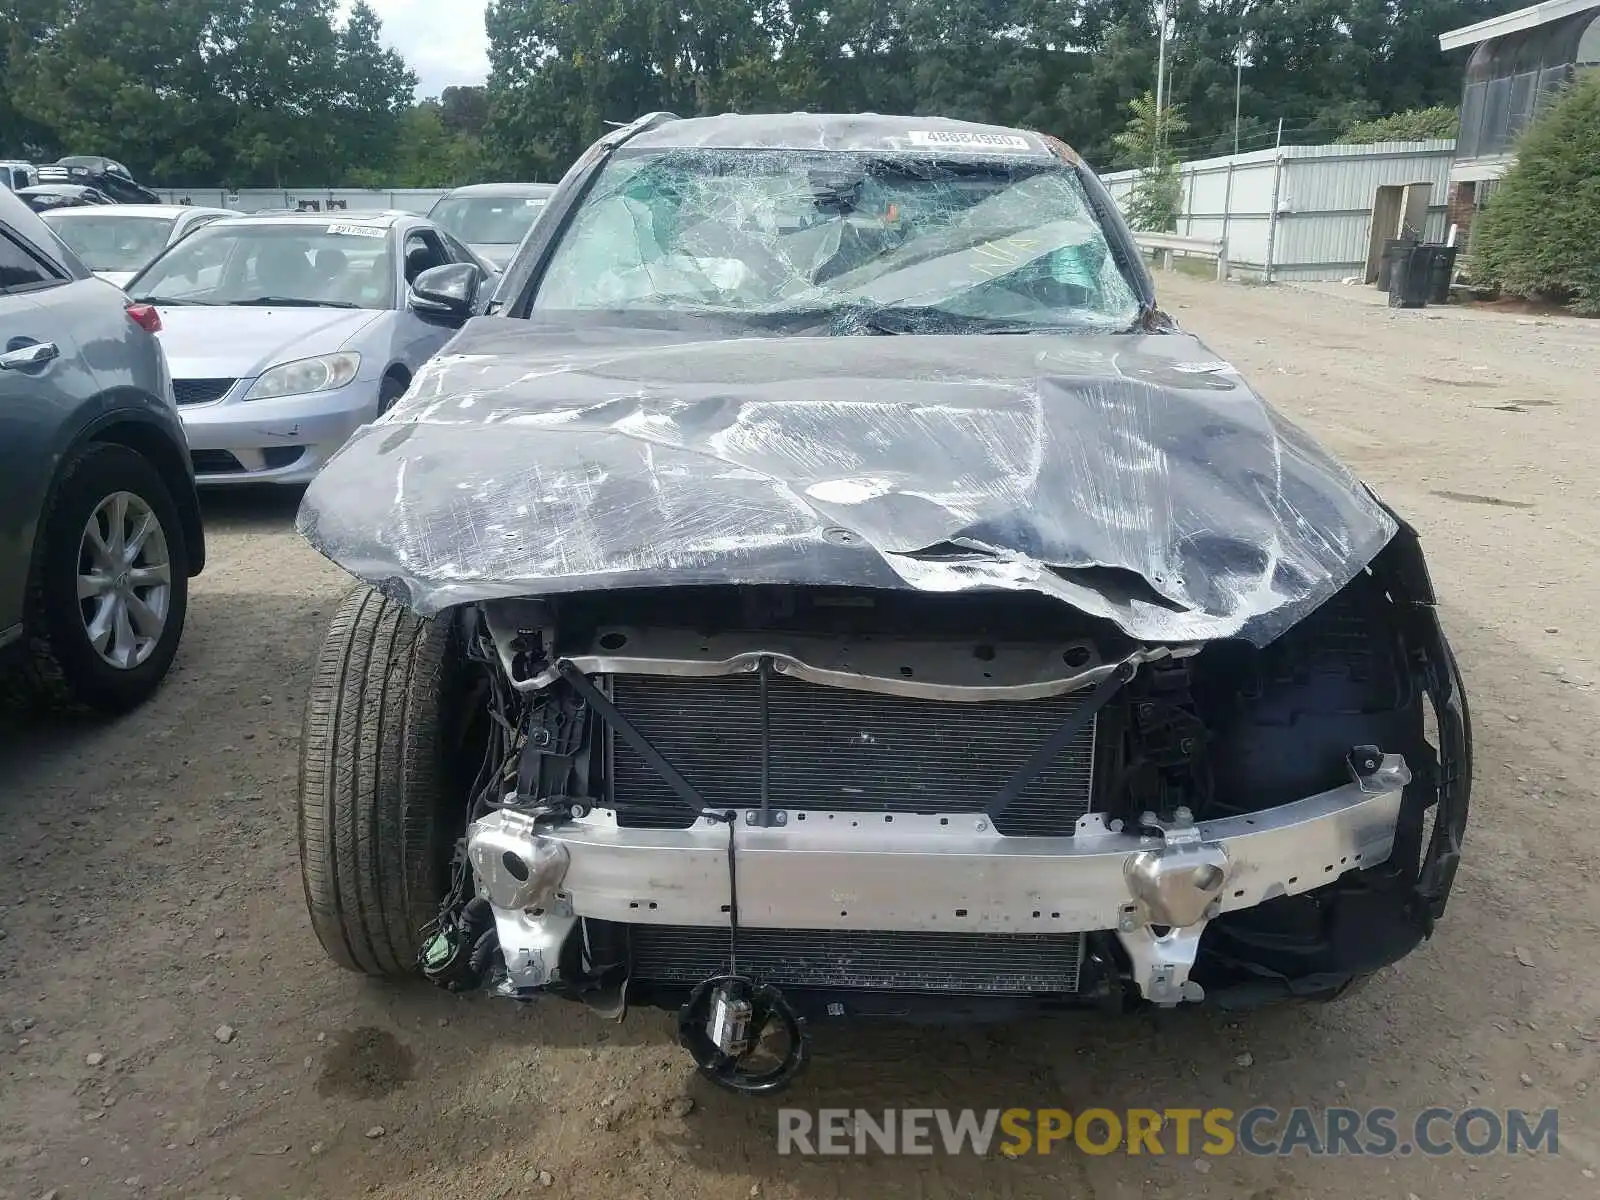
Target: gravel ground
{"type": "Point", "coordinates": [168, 1026]}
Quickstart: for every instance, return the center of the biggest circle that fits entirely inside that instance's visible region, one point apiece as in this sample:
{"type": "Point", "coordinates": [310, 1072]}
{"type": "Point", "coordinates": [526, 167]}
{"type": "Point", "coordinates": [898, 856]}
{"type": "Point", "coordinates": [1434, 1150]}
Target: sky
{"type": "Point", "coordinates": [443, 43]}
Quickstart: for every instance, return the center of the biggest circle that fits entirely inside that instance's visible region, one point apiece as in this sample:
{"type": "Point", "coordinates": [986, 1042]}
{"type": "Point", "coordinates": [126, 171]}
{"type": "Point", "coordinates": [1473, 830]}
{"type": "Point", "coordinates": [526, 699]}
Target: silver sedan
{"type": "Point", "coordinates": [117, 240]}
{"type": "Point", "coordinates": [286, 333]}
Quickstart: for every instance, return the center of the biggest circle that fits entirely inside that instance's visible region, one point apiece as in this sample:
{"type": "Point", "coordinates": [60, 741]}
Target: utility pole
{"type": "Point", "coordinates": [1161, 73]}
{"type": "Point", "coordinates": [1238, 81]}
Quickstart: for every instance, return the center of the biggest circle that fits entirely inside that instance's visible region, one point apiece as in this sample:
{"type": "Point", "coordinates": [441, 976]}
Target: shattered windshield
{"type": "Point", "coordinates": [841, 242]}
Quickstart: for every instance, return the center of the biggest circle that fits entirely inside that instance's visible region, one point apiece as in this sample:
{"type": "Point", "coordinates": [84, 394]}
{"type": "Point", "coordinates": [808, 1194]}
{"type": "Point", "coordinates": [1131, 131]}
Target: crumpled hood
{"type": "Point", "coordinates": [1136, 478]}
{"type": "Point", "coordinates": [240, 342]}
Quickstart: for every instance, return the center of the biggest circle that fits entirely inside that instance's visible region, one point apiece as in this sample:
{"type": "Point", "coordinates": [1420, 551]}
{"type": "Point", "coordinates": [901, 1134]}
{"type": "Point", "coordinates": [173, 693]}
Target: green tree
{"type": "Point", "coordinates": [430, 154]}
{"type": "Point", "coordinates": [1150, 134]}
{"type": "Point", "coordinates": [1540, 234]}
{"type": "Point", "coordinates": [231, 92]}
{"type": "Point", "coordinates": [22, 22]}
{"type": "Point", "coordinates": [464, 110]}
{"type": "Point", "coordinates": [1147, 141]}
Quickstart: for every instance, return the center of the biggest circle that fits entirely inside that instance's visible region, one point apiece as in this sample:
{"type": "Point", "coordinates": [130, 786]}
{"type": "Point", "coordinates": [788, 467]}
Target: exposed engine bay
{"type": "Point", "coordinates": [761, 806]}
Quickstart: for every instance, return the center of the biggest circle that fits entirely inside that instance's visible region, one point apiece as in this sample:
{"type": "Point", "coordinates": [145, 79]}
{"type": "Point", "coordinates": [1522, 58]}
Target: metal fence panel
{"type": "Point", "coordinates": [1300, 212]}
{"type": "Point", "coordinates": [417, 200]}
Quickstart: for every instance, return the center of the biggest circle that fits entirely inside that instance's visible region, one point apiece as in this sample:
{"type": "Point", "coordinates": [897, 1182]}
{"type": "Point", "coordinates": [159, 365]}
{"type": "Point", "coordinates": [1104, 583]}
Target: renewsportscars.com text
{"type": "Point", "coordinates": [1260, 1131]}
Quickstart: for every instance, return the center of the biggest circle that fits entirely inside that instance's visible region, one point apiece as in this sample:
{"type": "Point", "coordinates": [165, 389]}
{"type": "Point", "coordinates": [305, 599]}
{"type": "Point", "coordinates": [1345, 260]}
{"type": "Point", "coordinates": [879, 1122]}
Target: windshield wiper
{"type": "Point", "coordinates": [865, 320]}
{"type": "Point", "coordinates": [924, 318]}
{"type": "Point", "coordinates": [291, 302]}
{"type": "Point", "coordinates": [171, 301]}
{"type": "Point", "coordinates": [1050, 329]}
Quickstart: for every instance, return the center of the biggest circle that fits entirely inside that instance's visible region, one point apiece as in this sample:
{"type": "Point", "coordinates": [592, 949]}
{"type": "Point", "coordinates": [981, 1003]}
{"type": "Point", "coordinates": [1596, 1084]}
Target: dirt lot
{"type": "Point", "coordinates": [149, 892]}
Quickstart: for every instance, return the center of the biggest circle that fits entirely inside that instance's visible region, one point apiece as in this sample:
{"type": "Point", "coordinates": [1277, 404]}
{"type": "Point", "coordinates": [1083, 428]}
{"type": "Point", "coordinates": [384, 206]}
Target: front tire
{"type": "Point", "coordinates": [109, 590]}
{"type": "Point", "coordinates": [389, 391]}
{"type": "Point", "coordinates": [376, 801]}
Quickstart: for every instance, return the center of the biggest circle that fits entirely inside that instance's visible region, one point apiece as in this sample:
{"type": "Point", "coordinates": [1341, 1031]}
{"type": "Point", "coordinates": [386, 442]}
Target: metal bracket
{"type": "Point", "coordinates": [612, 716]}
{"type": "Point", "coordinates": [1180, 831]}
{"type": "Point", "coordinates": [556, 728]}
{"type": "Point", "coordinates": [531, 947]}
{"type": "Point", "coordinates": [1093, 827]}
{"type": "Point", "coordinates": [1176, 890]}
{"type": "Point", "coordinates": [1177, 884]}
{"type": "Point", "coordinates": [1376, 772]}
{"type": "Point", "coordinates": [764, 817]}
{"type": "Point", "coordinates": [1161, 965]}
{"type": "Point", "coordinates": [1057, 741]}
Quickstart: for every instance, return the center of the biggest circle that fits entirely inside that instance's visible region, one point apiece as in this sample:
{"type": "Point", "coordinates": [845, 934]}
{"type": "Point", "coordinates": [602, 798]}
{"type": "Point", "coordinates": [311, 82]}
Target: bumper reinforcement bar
{"type": "Point", "coordinates": [877, 871]}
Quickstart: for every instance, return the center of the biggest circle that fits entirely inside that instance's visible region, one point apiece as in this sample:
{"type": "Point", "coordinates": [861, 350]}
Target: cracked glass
{"type": "Point", "coordinates": [836, 242]}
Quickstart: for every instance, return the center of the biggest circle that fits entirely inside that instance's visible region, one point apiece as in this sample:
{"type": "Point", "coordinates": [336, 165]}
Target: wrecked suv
{"type": "Point", "coordinates": [827, 585]}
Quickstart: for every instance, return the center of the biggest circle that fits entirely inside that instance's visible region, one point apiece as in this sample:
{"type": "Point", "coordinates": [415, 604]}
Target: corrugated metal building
{"type": "Point", "coordinates": [1301, 212]}
{"type": "Point", "coordinates": [1521, 61]}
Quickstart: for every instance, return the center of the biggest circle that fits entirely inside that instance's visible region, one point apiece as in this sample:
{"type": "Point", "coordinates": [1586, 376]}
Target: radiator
{"type": "Point", "coordinates": [947, 963]}
{"type": "Point", "coordinates": [842, 750]}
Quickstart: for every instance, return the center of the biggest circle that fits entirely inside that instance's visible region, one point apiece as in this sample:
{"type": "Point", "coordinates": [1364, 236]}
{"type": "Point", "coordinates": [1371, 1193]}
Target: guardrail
{"type": "Point", "coordinates": [1166, 245]}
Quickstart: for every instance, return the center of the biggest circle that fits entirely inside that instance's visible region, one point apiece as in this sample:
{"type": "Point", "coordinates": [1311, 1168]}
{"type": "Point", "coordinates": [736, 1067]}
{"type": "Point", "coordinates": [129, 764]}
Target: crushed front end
{"type": "Point", "coordinates": [760, 805]}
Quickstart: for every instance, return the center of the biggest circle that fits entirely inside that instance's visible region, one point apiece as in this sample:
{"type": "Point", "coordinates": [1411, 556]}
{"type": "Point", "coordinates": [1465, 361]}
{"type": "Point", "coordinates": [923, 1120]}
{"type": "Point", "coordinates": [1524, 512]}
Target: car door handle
{"type": "Point", "coordinates": [33, 355]}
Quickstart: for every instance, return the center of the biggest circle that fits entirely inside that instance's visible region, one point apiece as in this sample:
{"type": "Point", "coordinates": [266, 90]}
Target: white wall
{"type": "Point", "coordinates": [1324, 202]}
{"type": "Point", "coordinates": [417, 200]}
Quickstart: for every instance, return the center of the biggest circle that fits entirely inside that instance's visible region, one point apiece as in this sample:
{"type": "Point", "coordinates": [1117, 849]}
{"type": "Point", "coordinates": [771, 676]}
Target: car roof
{"type": "Point", "coordinates": [381, 220]}
{"type": "Point", "coordinates": [94, 162]}
{"type": "Point", "coordinates": [143, 210]}
{"type": "Point", "coordinates": [843, 132]}
{"type": "Point", "coordinates": [56, 189]}
{"type": "Point", "coordinates": [500, 189]}
{"type": "Point", "coordinates": [28, 225]}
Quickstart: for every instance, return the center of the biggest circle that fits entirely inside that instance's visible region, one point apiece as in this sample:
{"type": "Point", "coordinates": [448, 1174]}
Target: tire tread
{"type": "Point", "coordinates": [373, 783]}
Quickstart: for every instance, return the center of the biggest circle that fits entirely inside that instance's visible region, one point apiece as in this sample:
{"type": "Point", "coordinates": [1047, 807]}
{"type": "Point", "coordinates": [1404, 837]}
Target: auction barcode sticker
{"type": "Point", "coordinates": [964, 139]}
{"type": "Point", "coordinates": [367, 231]}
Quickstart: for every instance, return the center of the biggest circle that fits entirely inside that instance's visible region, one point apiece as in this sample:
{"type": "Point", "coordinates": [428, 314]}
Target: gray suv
{"type": "Point", "coordinates": [99, 522]}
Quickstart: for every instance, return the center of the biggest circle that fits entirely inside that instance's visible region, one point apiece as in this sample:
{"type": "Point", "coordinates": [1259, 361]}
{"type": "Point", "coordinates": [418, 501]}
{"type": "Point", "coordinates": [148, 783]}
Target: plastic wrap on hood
{"type": "Point", "coordinates": [1135, 478]}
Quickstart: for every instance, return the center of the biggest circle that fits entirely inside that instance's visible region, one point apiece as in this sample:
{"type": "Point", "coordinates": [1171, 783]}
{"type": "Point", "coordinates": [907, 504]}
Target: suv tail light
{"type": "Point", "coordinates": [145, 317]}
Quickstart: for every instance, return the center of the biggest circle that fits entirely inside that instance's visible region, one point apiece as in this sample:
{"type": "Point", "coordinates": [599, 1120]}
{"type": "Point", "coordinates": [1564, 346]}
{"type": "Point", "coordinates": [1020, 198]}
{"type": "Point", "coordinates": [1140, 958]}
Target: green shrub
{"type": "Point", "coordinates": [1414, 125]}
{"type": "Point", "coordinates": [1156, 202]}
{"type": "Point", "coordinates": [1540, 232]}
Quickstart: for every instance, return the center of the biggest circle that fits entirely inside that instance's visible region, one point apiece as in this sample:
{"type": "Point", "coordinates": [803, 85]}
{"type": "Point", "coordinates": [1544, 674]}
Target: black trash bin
{"type": "Point", "coordinates": [1408, 280]}
{"type": "Point", "coordinates": [1441, 270]}
{"type": "Point", "coordinates": [1393, 250]}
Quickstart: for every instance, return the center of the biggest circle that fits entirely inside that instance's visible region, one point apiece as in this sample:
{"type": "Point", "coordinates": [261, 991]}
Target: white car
{"type": "Point", "coordinates": [15, 175]}
{"type": "Point", "coordinates": [286, 333]}
{"type": "Point", "coordinates": [116, 241]}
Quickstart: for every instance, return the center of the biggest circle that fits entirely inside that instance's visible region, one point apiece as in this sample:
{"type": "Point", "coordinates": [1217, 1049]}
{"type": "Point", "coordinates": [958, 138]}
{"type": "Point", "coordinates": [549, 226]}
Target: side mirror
{"type": "Point", "coordinates": [447, 294]}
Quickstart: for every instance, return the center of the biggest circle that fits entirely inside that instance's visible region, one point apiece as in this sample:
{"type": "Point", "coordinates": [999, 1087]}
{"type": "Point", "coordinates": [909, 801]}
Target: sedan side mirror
{"type": "Point", "coordinates": [447, 294]}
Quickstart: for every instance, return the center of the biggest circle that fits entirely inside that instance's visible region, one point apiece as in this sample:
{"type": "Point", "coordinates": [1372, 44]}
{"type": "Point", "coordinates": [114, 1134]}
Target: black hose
{"type": "Point", "coordinates": [483, 952]}
{"type": "Point", "coordinates": [733, 902]}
